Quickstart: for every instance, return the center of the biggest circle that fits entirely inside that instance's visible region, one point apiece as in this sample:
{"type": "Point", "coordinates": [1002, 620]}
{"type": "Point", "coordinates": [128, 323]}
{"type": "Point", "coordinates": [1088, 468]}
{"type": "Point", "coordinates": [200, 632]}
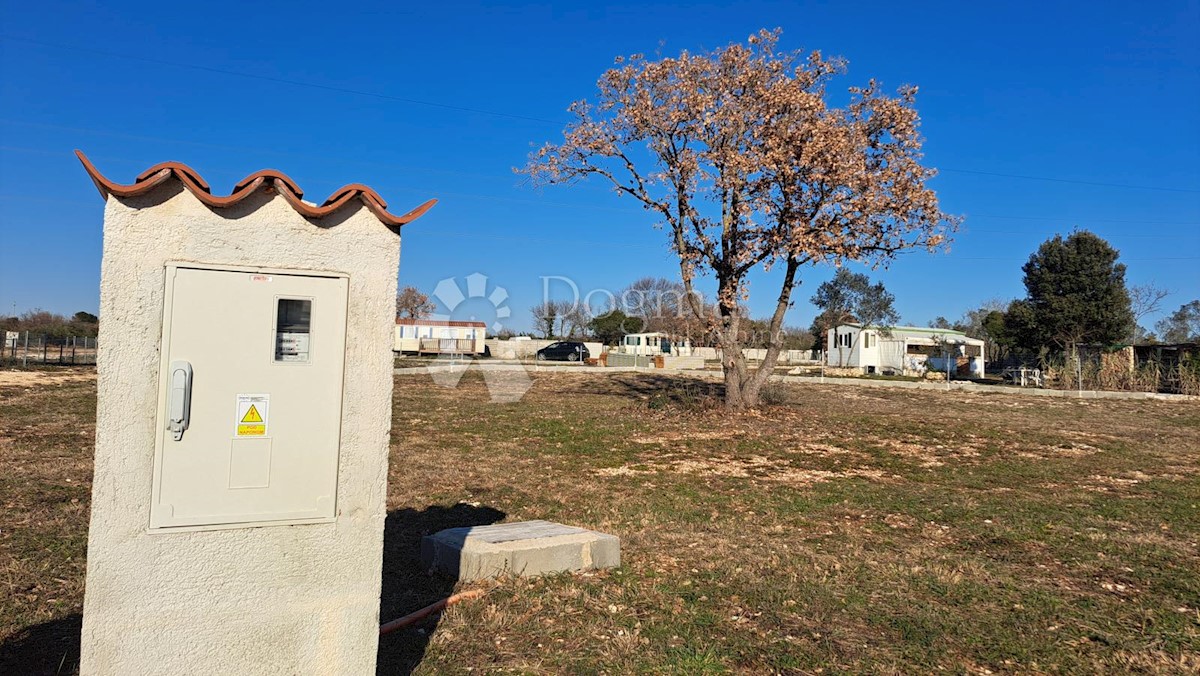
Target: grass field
{"type": "Point", "coordinates": [839, 529]}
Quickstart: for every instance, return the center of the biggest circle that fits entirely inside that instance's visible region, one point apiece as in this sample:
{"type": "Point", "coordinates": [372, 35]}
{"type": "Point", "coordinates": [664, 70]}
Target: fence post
{"type": "Point", "coordinates": [1078, 371]}
{"type": "Point", "coordinates": [73, 350]}
{"type": "Point", "coordinates": [44, 349]}
{"type": "Point", "coordinates": [25, 352]}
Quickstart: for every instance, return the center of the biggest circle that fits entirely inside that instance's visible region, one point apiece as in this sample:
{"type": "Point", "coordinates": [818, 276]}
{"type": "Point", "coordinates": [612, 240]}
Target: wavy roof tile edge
{"type": "Point", "coordinates": [270, 178]}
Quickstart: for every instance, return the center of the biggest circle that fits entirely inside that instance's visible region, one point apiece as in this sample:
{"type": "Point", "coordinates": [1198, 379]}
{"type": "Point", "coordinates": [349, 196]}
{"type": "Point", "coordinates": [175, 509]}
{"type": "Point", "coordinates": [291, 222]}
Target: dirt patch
{"type": "Point", "coordinates": [927, 455]}
{"type": "Point", "coordinates": [45, 377]}
{"type": "Point", "coordinates": [676, 436]}
{"type": "Point", "coordinates": [823, 450]}
{"type": "Point", "coordinates": [1066, 450]}
{"type": "Point", "coordinates": [758, 468]}
{"type": "Point", "coordinates": [1104, 483]}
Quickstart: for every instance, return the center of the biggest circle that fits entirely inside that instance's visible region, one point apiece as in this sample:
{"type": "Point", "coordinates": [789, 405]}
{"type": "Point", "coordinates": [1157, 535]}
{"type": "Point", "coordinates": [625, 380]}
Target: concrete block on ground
{"type": "Point", "coordinates": [629, 360]}
{"type": "Point", "coordinates": [693, 362]}
{"type": "Point", "coordinates": [524, 548]}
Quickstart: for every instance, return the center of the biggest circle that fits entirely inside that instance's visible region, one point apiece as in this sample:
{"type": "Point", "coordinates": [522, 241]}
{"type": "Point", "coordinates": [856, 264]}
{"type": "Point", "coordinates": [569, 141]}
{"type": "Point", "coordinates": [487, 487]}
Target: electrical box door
{"type": "Point", "coordinates": [250, 398]}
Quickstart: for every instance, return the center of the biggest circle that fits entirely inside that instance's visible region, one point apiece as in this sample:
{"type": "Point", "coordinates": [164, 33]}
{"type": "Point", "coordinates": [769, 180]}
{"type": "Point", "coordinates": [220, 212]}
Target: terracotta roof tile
{"type": "Point", "coordinates": [268, 178]}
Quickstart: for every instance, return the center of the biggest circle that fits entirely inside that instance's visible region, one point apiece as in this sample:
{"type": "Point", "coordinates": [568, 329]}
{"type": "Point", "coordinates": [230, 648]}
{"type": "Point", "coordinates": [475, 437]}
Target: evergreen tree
{"type": "Point", "coordinates": [611, 327]}
{"type": "Point", "coordinates": [850, 297]}
{"type": "Point", "coordinates": [1182, 325]}
{"type": "Point", "coordinates": [1076, 294]}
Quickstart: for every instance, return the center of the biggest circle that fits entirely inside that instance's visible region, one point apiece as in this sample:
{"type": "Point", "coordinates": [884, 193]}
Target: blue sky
{"type": "Point", "coordinates": [442, 100]}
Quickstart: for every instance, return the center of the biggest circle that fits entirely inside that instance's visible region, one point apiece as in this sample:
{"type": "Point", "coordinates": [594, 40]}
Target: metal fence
{"type": "Point", "coordinates": [24, 348]}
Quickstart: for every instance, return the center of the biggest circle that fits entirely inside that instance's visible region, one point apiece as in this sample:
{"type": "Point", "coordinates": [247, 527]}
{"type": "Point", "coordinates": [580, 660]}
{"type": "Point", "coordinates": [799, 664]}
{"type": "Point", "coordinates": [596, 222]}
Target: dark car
{"type": "Point", "coordinates": [564, 350]}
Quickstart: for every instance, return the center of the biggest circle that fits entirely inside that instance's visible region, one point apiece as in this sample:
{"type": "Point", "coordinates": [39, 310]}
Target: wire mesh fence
{"type": "Point", "coordinates": [24, 348]}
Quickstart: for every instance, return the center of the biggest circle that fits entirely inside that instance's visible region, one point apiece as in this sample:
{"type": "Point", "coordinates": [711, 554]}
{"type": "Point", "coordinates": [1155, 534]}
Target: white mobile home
{"type": "Point", "coordinates": [906, 350]}
{"type": "Point", "coordinates": [655, 343]}
{"type": "Point", "coordinates": [439, 336]}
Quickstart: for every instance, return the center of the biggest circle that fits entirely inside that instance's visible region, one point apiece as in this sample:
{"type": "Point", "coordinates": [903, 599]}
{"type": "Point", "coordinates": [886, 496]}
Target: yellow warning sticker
{"type": "Point", "coordinates": [253, 414]}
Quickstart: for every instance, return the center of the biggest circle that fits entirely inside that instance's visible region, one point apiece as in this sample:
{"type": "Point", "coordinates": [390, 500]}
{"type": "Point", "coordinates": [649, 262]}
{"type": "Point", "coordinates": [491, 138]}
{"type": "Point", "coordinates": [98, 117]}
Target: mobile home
{"type": "Point", "coordinates": [439, 336]}
{"type": "Point", "coordinates": [906, 350]}
{"type": "Point", "coordinates": [655, 343]}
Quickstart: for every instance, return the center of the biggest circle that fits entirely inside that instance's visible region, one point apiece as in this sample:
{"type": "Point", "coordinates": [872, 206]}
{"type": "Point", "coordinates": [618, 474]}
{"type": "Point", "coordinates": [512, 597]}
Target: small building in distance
{"type": "Point", "coordinates": [439, 336]}
{"type": "Point", "coordinates": [1167, 354]}
{"type": "Point", "coordinates": [655, 343]}
{"type": "Point", "coordinates": [904, 350]}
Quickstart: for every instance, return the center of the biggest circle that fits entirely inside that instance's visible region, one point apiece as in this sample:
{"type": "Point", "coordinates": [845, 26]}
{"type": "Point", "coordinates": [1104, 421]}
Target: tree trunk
{"type": "Point", "coordinates": [742, 385]}
{"type": "Point", "coordinates": [733, 391]}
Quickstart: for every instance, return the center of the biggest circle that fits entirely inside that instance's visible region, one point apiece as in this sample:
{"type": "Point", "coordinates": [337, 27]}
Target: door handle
{"type": "Point", "coordinates": [179, 399]}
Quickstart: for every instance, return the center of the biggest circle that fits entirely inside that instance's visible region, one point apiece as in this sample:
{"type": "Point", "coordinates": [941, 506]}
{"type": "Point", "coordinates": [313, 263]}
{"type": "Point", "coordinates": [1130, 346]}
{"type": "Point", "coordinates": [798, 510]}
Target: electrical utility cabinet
{"type": "Point", "coordinates": [250, 398]}
{"type": "Point", "coordinates": [244, 408]}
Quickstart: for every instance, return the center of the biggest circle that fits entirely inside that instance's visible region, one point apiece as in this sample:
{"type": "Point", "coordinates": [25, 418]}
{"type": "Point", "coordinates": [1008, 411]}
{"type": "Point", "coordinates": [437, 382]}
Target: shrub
{"type": "Point", "coordinates": [774, 394]}
{"type": "Point", "coordinates": [685, 395]}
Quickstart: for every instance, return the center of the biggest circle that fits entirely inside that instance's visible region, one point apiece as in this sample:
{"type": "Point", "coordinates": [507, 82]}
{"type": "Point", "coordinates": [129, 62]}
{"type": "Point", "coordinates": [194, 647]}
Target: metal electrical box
{"type": "Point", "coordinates": [250, 397]}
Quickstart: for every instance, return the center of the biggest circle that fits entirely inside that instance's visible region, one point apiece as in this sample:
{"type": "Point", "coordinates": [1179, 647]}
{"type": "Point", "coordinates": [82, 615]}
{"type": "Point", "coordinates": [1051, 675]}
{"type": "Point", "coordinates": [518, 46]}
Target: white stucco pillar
{"type": "Point", "coordinates": [281, 596]}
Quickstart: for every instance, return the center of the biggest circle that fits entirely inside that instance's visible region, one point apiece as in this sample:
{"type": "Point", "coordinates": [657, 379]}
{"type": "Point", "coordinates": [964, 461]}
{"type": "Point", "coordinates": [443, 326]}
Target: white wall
{"type": "Point", "coordinates": [271, 600]}
{"type": "Point", "coordinates": [893, 355]}
{"type": "Point", "coordinates": [838, 353]}
{"type": "Point", "coordinates": [691, 362]}
{"type": "Point", "coordinates": [629, 360]}
{"type": "Point", "coordinates": [757, 354]}
{"type": "Point", "coordinates": [527, 349]}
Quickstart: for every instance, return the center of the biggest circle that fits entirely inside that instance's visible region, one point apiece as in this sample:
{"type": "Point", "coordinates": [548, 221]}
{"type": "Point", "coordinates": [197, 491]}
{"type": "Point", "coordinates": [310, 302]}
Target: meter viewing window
{"type": "Point", "coordinates": [293, 323]}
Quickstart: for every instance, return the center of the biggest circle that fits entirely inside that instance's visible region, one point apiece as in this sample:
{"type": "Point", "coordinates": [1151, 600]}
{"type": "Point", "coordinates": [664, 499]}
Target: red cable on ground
{"type": "Point", "coordinates": [413, 618]}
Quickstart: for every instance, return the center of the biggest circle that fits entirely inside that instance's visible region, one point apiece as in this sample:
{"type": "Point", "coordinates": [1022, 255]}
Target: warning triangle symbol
{"type": "Point", "coordinates": [252, 415]}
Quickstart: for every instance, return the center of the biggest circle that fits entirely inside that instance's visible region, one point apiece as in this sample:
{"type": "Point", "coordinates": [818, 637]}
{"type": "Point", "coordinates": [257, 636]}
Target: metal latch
{"type": "Point", "coordinates": [179, 402]}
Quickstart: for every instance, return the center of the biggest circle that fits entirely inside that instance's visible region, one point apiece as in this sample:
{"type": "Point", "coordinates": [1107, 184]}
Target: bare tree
{"type": "Point", "coordinates": [575, 318]}
{"type": "Point", "coordinates": [749, 167]}
{"type": "Point", "coordinates": [662, 305]}
{"type": "Point", "coordinates": [545, 317]}
{"type": "Point", "coordinates": [560, 318]}
{"type": "Point", "coordinates": [1145, 299]}
{"type": "Point", "coordinates": [412, 304]}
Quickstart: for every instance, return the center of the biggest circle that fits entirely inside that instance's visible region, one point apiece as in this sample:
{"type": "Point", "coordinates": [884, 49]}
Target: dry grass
{"type": "Point", "coordinates": [842, 530]}
{"type": "Point", "coordinates": [881, 530]}
{"type": "Point", "coordinates": [47, 427]}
